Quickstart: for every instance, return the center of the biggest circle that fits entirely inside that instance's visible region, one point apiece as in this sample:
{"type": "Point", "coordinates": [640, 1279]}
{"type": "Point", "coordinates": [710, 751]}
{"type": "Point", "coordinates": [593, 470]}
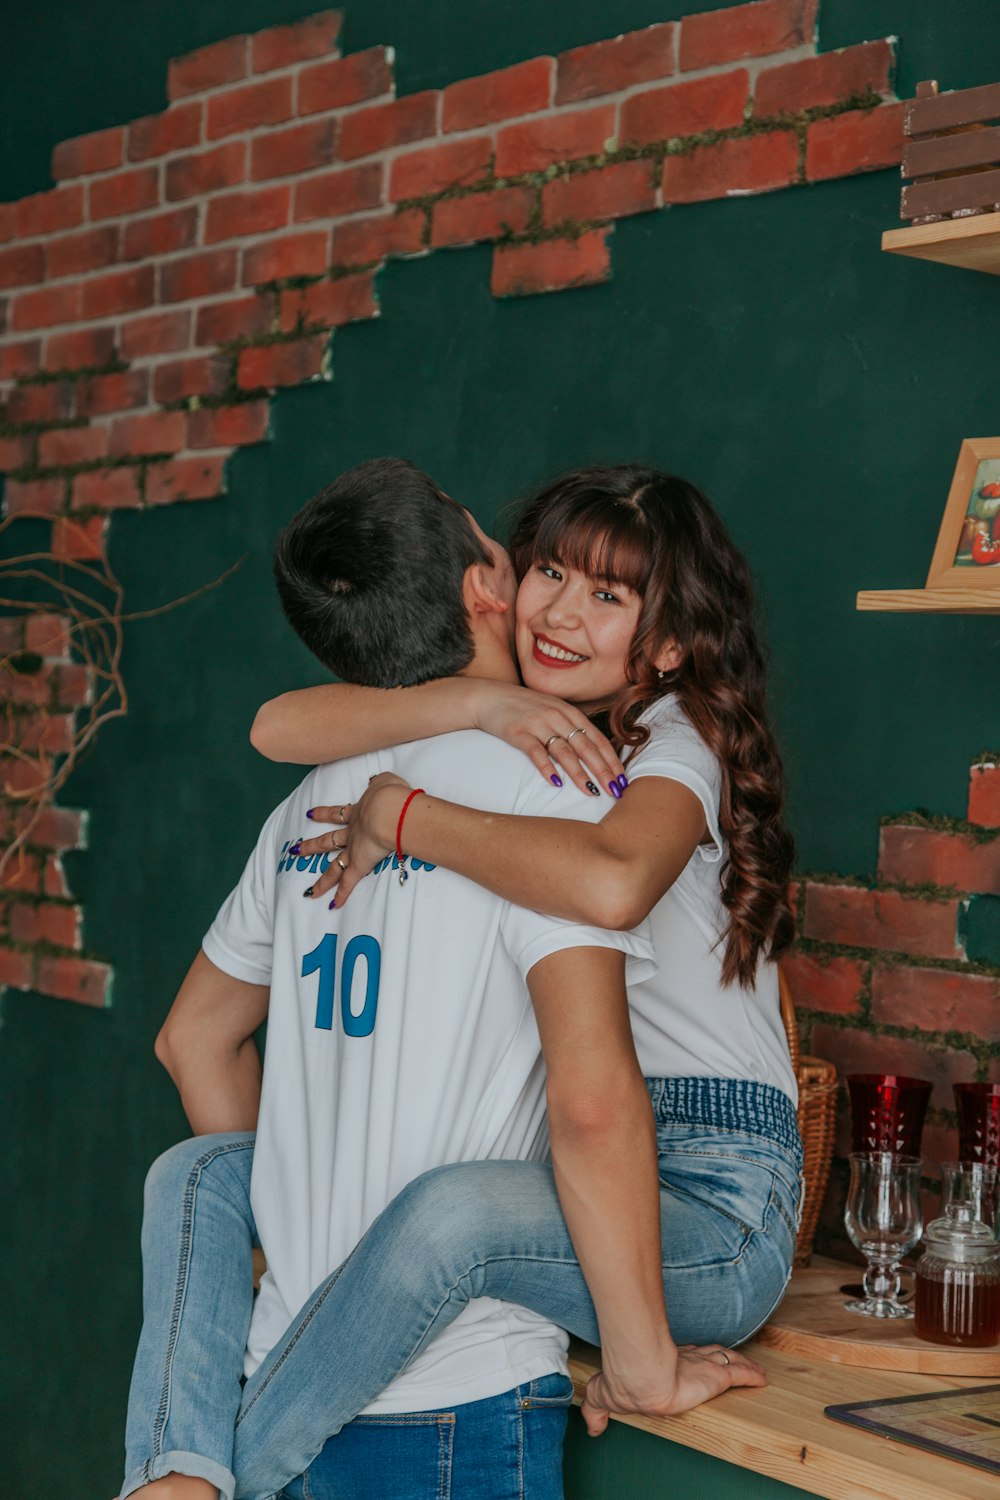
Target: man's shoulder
{"type": "Point", "coordinates": [466, 766]}
{"type": "Point", "coordinates": [478, 770]}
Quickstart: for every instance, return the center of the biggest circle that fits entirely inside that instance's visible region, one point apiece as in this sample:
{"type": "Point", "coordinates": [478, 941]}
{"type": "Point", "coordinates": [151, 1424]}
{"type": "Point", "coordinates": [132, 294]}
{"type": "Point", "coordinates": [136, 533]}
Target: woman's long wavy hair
{"type": "Point", "coordinates": [662, 538]}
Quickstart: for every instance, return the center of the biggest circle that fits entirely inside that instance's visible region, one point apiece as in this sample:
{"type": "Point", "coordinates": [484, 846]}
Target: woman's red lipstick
{"type": "Point", "coordinates": [551, 661]}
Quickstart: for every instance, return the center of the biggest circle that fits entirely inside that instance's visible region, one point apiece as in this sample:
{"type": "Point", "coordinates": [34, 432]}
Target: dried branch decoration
{"type": "Point", "coordinates": [64, 680]}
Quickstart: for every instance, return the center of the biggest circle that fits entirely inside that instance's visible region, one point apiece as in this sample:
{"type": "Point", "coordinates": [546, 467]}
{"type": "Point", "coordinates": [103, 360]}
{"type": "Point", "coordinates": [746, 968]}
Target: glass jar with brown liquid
{"type": "Point", "coordinates": [957, 1297]}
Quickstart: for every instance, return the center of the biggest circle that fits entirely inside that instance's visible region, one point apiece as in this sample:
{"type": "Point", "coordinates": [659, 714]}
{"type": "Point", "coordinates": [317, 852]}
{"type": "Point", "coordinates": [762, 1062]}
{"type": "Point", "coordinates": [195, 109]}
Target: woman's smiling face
{"type": "Point", "coordinates": [574, 633]}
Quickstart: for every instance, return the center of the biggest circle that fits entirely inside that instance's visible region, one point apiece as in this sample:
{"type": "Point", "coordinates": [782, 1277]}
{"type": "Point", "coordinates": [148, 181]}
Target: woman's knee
{"type": "Point", "coordinates": [438, 1209]}
{"type": "Point", "coordinates": [458, 1215]}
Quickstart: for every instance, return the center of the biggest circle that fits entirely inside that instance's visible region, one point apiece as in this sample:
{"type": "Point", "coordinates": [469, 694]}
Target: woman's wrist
{"type": "Point", "coordinates": [645, 1378]}
{"type": "Point", "coordinates": [469, 697]}
{"type": "Point", "coordinates": [387, 805]}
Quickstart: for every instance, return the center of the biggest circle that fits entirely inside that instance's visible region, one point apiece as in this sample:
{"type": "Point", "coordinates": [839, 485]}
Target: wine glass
{"type": "Point", "coordinates": [887, 1112]}
{"type": "Point", "coordinates": [884, 1219]}
{"type": "Point", "coordinates": [978, 1107]}
{"type": "Point", "coordinates": [976, 1185]}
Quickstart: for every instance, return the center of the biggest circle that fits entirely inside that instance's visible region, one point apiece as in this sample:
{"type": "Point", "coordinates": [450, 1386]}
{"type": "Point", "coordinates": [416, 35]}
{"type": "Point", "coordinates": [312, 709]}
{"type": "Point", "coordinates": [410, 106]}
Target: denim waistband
{"type": "Point", "coordinates": [738, 1104]}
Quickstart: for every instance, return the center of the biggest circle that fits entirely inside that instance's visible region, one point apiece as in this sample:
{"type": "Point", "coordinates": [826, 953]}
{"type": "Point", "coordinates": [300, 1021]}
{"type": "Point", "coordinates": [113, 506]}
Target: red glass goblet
{"type": "Point", "coordinates": [978, 1107]}
{"type": "Point", "coordinates": [887, 1112]}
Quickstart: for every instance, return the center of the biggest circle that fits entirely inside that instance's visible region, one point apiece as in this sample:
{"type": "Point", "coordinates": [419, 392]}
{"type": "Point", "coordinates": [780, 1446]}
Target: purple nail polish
{"type": "Point", "coordinates": [614, 789]}
{"type": "Point", "coordinates": [333, 903]}
{"type": "Point", "coordinates": [556, 780]}
{"type": "Point", "coordinates": [623, 782]}
{"type": "Point", "coordinates": [592, 789]}
{"type": "Point", "coordinates": [309, 891]}
{"type": "Point", "coordinates": [295, 848]}
{"type": "Point", "coordinates": [310, 813]}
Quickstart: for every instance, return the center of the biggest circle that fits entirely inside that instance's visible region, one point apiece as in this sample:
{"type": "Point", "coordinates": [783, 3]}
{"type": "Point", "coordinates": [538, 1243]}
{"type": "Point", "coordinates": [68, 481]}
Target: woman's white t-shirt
{"type": "Point", "coordinates": [685, 1021]}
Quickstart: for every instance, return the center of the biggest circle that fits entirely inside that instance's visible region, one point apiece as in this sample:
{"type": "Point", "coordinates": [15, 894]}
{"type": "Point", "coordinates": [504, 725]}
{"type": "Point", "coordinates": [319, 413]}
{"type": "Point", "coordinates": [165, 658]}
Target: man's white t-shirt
{"type": "Point", "coordinates": [400, 1037]}
{"type": "Point", "coordinates": [685, 1021]}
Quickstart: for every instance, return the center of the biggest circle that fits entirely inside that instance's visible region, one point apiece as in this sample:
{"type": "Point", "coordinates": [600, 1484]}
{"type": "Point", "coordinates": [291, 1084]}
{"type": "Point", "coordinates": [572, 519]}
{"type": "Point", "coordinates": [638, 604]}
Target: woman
{"type": "Point", "coordinates": [636, 606]}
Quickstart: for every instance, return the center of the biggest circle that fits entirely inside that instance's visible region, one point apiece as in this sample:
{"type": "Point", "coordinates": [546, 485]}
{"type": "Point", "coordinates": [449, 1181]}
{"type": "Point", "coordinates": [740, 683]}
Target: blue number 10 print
{"type": "Point", "coordinates": [324, 959]}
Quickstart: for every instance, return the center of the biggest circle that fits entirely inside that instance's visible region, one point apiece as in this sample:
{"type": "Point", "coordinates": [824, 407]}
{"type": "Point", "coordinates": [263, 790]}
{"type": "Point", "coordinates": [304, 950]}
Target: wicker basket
{"type": "Point", "coordinates": [817, 1082]}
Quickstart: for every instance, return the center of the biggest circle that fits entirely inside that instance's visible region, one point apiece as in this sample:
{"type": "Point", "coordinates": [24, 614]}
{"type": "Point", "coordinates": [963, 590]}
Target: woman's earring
{"type": "Point", "coordinates": [660, 675]}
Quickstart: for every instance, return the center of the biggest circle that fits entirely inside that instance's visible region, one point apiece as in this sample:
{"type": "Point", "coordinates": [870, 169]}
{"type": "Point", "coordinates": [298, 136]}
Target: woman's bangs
{"type": "Point", "coordinates": [610, 543]}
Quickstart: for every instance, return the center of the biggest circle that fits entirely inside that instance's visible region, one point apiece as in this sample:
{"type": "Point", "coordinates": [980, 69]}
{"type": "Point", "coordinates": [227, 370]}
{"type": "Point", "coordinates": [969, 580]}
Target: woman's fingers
{"type": "Point", "coordinates": [339, 814]}
{"type": "Point", "coordinates": [330, 844]}
{"type": "Point", "coordinates": [597, 753]}
{"type": "Point", "coordinates": [327, 880]}
{"type": "Point", "coordinates": [746, 1372]}
{"type": "Point", "coordinates": [541, 757]}
{"type": "Point", "coordinates": [323, 843]}
{"type": "Point", "coordinates": [742, 1369]}
{"type": "Point", "coordinates": [733, 1355]}
{"type": "Point", "coordinates": [593, 1408]}
{"type": "Point", "coordinates": [580, 753]}
{"type": "Point", "coordinates": [346, 884]}
{"type": "Point", "coordinates": [584, 763]}
{"type": "Point", "coordinates": [568, 756]}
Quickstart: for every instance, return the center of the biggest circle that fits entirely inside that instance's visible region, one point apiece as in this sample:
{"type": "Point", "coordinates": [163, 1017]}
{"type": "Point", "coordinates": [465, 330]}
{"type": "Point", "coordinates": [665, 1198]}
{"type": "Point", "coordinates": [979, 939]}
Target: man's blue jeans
{"type": "Point", "coordinates": [508, 1447]}
{"type": "Point", "coordinates": [730, 1163]}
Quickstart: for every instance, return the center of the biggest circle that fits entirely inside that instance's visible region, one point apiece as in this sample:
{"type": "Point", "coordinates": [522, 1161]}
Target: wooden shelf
{"type": "Point", "coordinates": [933, 601]}
{"type": "Point", "coordinates": [972, 243]}
{"type": "Point", "coordinates": [780, 1430]}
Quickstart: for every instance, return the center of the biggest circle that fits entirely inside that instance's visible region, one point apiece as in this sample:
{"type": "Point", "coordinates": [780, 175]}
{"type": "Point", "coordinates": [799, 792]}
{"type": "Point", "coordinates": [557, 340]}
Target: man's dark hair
{"type": "Point", "coordinates": [370, 575]}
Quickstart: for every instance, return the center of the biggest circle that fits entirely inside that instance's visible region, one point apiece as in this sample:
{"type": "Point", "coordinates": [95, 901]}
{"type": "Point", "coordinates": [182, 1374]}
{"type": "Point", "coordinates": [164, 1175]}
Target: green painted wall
{"type": "Point", "coordinates": [763, 346]}
{"type": "Point", "coordinates": [626, 1464]}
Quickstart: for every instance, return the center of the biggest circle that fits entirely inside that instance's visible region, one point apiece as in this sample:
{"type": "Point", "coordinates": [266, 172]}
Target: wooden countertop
{"type": "Point", "coordinates": [781, 1431]}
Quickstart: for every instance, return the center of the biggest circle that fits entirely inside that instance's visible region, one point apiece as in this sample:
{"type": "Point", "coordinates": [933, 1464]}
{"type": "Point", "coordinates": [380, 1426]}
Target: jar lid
{"type": "Point", "coordinates": [959, 1235]}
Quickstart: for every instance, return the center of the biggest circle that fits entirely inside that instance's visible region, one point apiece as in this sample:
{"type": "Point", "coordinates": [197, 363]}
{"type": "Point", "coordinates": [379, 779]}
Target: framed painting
{"type": "Point", "coordinates": [967, 553]}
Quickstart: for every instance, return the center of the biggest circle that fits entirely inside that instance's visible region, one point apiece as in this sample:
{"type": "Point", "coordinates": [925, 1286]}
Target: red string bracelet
{"type": "Point", "coordinates": [399, 833]}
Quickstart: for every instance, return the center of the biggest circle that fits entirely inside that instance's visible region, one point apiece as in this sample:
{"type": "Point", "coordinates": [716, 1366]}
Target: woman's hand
{"type": "Point", "coordinates": [701, 1373]}
{"type": "Point", "coordinates": [365, 832]}
{"type": "Point", "coordinates": [558, 738]}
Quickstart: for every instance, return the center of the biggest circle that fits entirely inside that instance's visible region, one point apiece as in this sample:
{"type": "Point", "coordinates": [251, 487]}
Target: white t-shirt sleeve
{"type": "Point", "coordinates": [530, 936]}
{"type": "Point", "coordinates": [240, 939]}
{"type": "Point", "coordinates": [676, 751]}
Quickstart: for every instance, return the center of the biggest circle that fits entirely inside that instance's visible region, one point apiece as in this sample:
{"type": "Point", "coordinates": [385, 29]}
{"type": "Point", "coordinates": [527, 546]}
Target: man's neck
{"type": "Point", "coordinates": [493, 660]}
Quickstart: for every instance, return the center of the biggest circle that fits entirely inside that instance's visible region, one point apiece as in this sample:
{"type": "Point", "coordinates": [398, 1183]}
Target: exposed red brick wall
{"type": "Point", "coordinates": [188, 264]}
{"type": "Point", "coordinates": [881, 975]}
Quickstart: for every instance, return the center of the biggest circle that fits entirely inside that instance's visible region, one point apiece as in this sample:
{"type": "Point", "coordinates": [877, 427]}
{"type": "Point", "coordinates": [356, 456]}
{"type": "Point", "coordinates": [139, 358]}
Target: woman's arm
{"type": "Point", "coordinates": [604, 1159]}
{"type": "Point", "coordinates": [610, 874]}
{"type": "Point", "coordinates": [314, 725]}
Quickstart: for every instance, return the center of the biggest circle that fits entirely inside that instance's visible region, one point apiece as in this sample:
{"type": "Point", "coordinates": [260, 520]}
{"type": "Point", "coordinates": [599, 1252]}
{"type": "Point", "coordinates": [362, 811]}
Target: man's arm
{"type": "Point", "coordinates": [206, 1045]}
{"type": "Point", "coordinates": [604, 1157]}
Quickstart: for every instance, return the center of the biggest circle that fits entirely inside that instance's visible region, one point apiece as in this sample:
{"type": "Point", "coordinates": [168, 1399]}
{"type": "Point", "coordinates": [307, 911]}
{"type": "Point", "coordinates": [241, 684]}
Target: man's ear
{"type": "Point", "coordinates": [479, 592]}
{"type": "Point", "coordinates": [669, 656]}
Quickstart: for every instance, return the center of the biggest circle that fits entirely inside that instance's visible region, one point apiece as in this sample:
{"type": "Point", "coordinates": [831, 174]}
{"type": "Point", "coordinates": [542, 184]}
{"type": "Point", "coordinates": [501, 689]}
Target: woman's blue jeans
{"type": "Point", "coordinates": [730, 1161]}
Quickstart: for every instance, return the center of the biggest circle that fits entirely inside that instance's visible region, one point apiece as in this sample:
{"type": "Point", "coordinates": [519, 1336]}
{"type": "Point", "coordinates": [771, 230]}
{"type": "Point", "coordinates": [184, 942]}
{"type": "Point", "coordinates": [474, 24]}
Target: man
{"type": "Point", "coordinates": [400, 1038]}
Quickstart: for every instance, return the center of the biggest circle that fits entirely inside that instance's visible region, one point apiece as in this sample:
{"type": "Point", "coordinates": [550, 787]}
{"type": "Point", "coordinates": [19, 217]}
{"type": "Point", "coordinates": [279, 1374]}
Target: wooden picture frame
{"type": "Point", "coordinates": [967, 551]}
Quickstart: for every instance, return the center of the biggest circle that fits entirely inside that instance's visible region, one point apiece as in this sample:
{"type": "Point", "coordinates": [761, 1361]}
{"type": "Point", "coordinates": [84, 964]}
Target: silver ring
{"type": "Point", "coordinates": [725, 1356]}
{"type": "Point", "coordinates": [340, 862]}
{"type": "Point", "coordinates": [575, 731]}
{"type": "Point", "coordinates": [553, 737]}
{"type": "Point", "coordinates": [340, 809]}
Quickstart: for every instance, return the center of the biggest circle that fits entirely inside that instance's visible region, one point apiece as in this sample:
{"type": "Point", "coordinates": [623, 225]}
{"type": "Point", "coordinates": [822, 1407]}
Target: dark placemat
{"type": "Point", "coordinates": [963, 1424]}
